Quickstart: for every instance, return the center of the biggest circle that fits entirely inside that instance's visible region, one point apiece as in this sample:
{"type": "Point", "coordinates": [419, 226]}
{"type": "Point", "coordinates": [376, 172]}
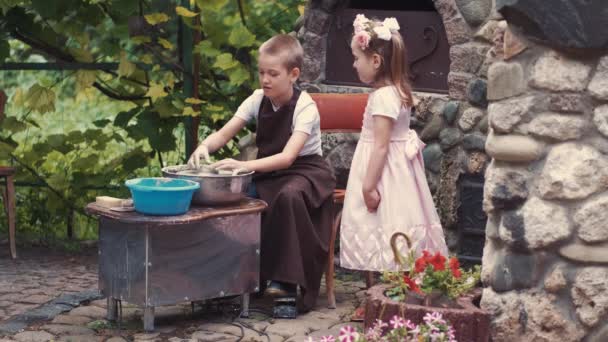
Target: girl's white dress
{"type": "Point", "coordinates": [406, 203]}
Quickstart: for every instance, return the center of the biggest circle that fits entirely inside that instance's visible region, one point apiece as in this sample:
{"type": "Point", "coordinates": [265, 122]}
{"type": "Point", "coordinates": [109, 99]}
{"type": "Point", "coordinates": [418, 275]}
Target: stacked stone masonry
{"type": "Point", "coordinates": [545, 262]}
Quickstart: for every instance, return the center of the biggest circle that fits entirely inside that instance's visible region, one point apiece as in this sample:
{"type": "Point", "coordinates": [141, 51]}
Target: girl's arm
{"type": "Point", "coordinates": [383, 127]}
{"type": "Point", "coordinates": [279, 161]}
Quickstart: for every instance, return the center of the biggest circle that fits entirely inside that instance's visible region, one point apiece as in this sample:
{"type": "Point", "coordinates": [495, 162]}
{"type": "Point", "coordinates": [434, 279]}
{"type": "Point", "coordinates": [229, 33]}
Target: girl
{"type": "Point", "coordinates": [387, 190]}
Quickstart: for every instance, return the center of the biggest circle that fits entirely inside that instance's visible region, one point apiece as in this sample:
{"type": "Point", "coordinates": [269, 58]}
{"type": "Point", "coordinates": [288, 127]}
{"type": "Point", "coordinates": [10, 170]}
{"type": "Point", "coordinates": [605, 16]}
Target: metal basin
{"type": "Point", "coordinates": [216, 189]}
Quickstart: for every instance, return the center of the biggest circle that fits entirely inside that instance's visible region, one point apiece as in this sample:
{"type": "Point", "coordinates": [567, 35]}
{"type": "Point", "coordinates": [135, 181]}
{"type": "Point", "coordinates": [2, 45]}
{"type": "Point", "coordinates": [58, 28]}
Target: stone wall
{"type": "Point", "coordinates": [545, 263]}
{"type": "Point", "coordinates": [454, 125]}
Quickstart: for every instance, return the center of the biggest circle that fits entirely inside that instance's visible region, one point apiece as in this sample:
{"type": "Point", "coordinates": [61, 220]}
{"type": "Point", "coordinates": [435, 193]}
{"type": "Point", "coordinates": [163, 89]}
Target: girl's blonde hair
{"type": "Point", "coordinates": [393, 67]}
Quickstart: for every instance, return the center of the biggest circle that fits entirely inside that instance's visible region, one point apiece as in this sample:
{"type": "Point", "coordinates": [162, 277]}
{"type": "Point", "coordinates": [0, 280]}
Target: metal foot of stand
{"type": "Point", "coordinates": [148, 318]}
{"type": "Point", "coordinates": [245, 305]}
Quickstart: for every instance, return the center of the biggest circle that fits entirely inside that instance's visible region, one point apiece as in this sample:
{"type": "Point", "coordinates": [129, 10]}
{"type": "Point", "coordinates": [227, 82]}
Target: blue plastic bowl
{"type": "Point", "coordinates": [161, 196]}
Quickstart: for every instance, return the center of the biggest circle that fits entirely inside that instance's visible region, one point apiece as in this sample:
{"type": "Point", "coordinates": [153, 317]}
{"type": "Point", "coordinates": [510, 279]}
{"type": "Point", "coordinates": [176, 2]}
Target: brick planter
{"type": "Point", "coordinates": [470, 322]}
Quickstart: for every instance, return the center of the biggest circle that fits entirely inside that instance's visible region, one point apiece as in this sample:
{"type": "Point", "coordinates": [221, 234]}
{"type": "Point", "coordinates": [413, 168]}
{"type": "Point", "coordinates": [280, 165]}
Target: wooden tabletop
{"type": "Point", "coordinates": [196, 213]}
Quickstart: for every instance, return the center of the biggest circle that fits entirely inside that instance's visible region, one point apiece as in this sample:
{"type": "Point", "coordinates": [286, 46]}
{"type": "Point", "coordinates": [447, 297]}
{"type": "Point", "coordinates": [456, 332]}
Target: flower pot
{"type": "Point", "coordinates": [469, 321]}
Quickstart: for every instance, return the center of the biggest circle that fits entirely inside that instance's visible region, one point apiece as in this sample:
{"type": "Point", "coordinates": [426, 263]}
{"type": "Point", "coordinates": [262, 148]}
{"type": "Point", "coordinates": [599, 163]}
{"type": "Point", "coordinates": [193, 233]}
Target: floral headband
{"type": "Point", "coordinates": [366, 29]}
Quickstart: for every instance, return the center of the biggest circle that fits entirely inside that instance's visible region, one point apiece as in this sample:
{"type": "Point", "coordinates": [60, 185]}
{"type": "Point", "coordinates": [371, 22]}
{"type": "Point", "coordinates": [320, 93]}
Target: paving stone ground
{"type": "Point", "coordinates": [38, 277]}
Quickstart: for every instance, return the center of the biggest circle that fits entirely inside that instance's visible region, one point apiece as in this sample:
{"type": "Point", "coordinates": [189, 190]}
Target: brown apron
{"type": "Point", "coordinates": [296, 226]}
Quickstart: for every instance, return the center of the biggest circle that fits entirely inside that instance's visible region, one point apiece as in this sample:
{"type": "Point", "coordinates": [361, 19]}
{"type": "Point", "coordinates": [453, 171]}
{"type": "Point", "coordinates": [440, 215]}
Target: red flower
{"type": "Point", "coordinates": [422, 262]}
{"type": "Point", "coordinates": [456, 272]}
{"type": "Point", "coordinates": [438, 262]}
{"type": "Point", "coordinates": [420, 265]}
{"type": "Point", "coordinates": [411, 284]}
{"type": "Point", "coordinates": [455, 267]}
{"type": "Point", "coordinates": [454, 264]}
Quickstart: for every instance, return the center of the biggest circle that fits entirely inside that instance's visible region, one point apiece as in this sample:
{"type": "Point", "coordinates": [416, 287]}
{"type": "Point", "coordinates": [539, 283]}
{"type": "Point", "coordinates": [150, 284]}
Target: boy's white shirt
{"type": "Point", "coordinates": [305, 119]}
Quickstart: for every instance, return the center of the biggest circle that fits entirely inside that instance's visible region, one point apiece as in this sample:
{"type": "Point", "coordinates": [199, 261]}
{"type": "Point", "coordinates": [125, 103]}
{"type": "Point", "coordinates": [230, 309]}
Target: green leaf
{"type": "Point", "coordinates": [5, 149]}
{"type": "Point", "coordinates": [211, 4]}
{"type": "Point", "coordinates": [125, 67]}
{"type": "Point", "coordinates": [13, 125]}
{"type": "Point", "coordinates": [58, 181]}
{"type": "Point", "coordinates": [225, 61]}
{"type": "Point", "coordinates": [165, 43]}
{"type": "Point", "coordinates": [123, 118]}
{"type": "Point", "coordinates": [58, 143]}
{"type": "Point", "coordinates": [192, 100]}
{"type": "Point", "coordinates": [189, 111]}
{"type": "Point", "coordinates": [85, 78]}
{"type": "Point", "coordinates": [156, 91]}
{"type": "Point", "coordinates": [146, 58]}
{"type": "Point", "coordinates": [7, 145]}
{"type": "Point", "coordinates": [75, 137]}
{"type": "Point", "coordinates": [241, 37]}
{"type": "Point", "coordinates": [238, 76]}
{"type": "Point", "coordinates": [40, 99]}
{"type": "Point", "coordinates": [18, 98]}
{"type": "Point", "coordinates": [85, 163]}
{"type": "Point", "coordinates": [5, 49]}
{"type": "Point", "coordinates": [165, 107]}
{"type": "Point", "coordinates": [184, 12]}
{"type": "Point", "coordinates": [5, 5]}
{"type": "Point", "coordinates": [82, 55]}
{"type": "Point", "coordinates": [205, 48]}
{"type": "Point", "coordinates": [156, 18]}
{"type": "Point", "coordinates": [134, 160]}
{"type": "Point", "coordinates": [101, 123]}
{"type": "Point", "coordinates": [141, 39]}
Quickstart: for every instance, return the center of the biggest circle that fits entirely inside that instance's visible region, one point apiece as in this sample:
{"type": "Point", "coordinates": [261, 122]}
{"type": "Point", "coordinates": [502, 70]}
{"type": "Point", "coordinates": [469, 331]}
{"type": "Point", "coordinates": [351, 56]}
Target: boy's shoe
{"type": "Point", "coordinates": [281, 289]}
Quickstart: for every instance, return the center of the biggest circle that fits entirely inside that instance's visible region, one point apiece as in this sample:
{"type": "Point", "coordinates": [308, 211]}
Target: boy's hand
{"type": "Point", "coordinates": [372, 200]}
{"type": "Point", "coordinates": [195, 159]}
{"type": "Point", "coordinates": [230, 164]}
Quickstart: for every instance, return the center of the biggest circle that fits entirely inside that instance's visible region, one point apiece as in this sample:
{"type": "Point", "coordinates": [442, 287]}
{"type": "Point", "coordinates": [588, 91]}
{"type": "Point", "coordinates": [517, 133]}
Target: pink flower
{"type": "Point", "coordinates": [327, 339]}
{"type": "Point", "coordinates": [362, 38]}
{"type": "Point", "coordinates": [409, 325]}
{"type": "Point", "coordinates": [380, 324]}
{"type": "Point", "coordinates": [373, 334]}
{"type": "Point", "coordinates": [397, 322]}
{"type": "Point", "coordinates": [434, 318]}
{"type": "Point", "coordinates": [415, 332]}
{"type": "Point", "coordinates": [348, 334]}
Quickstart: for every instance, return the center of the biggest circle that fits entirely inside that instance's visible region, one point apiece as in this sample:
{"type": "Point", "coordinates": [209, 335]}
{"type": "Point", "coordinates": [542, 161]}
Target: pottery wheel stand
{"type": "Point", "coordinates": [204, 254]}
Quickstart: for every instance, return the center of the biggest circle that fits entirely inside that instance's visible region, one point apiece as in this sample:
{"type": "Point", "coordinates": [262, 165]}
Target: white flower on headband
{"type": "Point", "coordinates": [383, 32]}
{"type": "Point", "coordinates": [391, 24]}
{"type": "Point", "coordinates": [360, 22]}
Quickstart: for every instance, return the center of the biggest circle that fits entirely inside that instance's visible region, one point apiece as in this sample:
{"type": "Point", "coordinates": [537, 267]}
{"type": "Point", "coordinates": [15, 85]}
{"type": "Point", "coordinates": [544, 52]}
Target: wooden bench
{"type": "Point", "coordinates": [8, 198]}
{"type": "Point", "coordinates": [340, 113]}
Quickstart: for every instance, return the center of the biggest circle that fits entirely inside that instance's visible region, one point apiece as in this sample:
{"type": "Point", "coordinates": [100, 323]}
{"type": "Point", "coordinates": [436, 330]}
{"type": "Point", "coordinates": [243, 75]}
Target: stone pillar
{"type": "Point", "coordinates": [545, 263]}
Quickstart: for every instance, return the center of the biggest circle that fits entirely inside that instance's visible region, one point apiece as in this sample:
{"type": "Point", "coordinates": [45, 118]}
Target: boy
{"type": "Point", "coordinates": [291, 175]}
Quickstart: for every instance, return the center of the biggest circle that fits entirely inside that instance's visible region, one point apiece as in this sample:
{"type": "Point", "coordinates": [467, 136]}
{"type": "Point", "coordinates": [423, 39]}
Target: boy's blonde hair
{"type": "Point", "coordinates": [287, 45]}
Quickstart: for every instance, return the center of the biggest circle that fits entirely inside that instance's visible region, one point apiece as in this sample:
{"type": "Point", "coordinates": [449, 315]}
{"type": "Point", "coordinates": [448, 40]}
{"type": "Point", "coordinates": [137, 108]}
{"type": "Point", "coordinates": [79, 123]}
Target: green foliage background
{"type": "Point", "coordinates": [77, 134]}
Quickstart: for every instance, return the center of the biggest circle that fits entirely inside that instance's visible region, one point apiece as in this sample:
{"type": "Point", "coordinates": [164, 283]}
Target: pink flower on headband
{"type": "Point", "coordinates": [362, 38]}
